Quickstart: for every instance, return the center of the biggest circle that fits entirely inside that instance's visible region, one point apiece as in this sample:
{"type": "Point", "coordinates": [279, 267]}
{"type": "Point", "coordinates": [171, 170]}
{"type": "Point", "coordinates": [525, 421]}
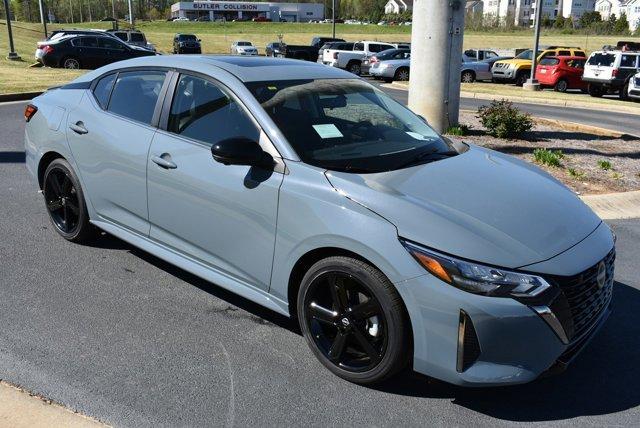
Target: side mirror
{"type": "Point", "coordinates": [240, 151]}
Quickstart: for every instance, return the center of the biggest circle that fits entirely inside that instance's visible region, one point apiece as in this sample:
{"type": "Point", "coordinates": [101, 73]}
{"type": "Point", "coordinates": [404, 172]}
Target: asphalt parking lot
{"type": "Point", "coordinates": [119, 335]}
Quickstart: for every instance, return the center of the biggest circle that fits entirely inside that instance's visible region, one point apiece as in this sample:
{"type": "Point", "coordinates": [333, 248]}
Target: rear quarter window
{"type": "Point", "coordinates": [549, 61]}
{"type": "Point", "coordinates": [102, 90]}
{"type": "Point", "coordinates": [602, 59]}
{"type": "Point", "coordinates": [628, 61]}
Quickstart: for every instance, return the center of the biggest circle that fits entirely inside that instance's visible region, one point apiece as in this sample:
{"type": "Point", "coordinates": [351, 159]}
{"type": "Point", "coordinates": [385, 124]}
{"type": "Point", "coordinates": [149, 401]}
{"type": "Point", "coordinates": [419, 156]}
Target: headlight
{"type": "Point", "coordinates": [476, 278]}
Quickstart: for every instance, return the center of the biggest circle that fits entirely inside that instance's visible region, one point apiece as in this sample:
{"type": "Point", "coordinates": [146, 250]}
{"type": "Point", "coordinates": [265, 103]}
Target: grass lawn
{"type": "Point", "coordinates": [217, 37]}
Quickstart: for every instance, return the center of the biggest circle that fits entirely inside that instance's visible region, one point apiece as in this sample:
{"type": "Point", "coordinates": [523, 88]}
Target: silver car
{"type": "Point", "coordinates": [390, 70]}
{"type": "Point", "coordinates": [316, 195]}
{"type": "Point", "coordinates": [475, 70]}
{"type": "Point", "coordinates": [634, 87]}
{"type": "Point", "coordinates": [241, 47]}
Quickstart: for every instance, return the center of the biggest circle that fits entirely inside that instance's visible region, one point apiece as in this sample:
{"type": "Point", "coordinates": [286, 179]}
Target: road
{"type": "Point", "coordinates": [626, 123]}
{"type": "Point", "coordinates": [119, 335]}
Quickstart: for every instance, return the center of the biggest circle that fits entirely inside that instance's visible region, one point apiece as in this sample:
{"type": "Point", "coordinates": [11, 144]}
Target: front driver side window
{"type": "Point", "coordinates": [203, 111]}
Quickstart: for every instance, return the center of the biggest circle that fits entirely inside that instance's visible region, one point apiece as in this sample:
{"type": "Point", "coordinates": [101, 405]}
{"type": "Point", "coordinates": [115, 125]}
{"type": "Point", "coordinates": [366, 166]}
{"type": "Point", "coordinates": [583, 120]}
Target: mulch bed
{"type": "Point", "coordinates": [581, 150]}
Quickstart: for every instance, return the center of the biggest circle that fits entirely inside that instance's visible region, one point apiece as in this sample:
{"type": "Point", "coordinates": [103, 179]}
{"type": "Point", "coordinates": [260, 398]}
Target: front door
{"type": "Point", "coordinates": [223, 216]}
{"type": "Point", "coordinates": [110, 138]}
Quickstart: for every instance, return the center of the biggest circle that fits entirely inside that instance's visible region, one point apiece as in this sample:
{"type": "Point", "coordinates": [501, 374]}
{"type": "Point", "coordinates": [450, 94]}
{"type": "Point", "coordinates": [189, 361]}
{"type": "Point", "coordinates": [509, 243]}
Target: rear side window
{"type": "Point", "coordinates": [602, 59]}
{"type": "Point", "coordinates": [137, 37]}
{"type": "Point", "coordinates": [203, 111]}
{"type": "Point", "coordinates": [358, 47]}
{"type": "Point", "coordinates": [628, 61]}
{"type": "Point", "coordinates": [136, 93]}
{"type": "Point", "coordinates": [580, 54]}
{"type": "Point", "coordinates": [121, 36]}
{"type": "Point", "coordinates": [86, 42]}
{"type": "Point", "coordinates": [102, 90]}
{"type": "Point", "coordinates": [549, 61]}
{"type": "Point", "coordinates": [564, 53]}
{"type": "Point", "coordinates": [110, 43]}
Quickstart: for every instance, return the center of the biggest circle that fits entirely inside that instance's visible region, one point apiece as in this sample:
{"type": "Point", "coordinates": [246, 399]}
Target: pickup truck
{"type": "Point", "coordinates": [352, 60]}
{"type": "Point", "coordinates": [308, 53]}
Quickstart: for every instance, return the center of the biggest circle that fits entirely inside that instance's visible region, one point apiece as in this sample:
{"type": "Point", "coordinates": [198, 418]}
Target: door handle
{"type": "Point", "coordinates": [78, 128]}
{"type": "Point", "coordinates": [162, 162]}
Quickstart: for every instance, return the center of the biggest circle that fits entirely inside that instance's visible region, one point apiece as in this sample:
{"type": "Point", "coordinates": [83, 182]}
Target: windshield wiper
{"type": "Point", "coordinates": [427, 157]}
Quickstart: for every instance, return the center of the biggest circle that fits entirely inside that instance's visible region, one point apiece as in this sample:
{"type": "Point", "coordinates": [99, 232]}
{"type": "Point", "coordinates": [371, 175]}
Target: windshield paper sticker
{"type": "Point", "coordinates": [328, 131]}
{"type": "Point", "coordinates": [417, 136]}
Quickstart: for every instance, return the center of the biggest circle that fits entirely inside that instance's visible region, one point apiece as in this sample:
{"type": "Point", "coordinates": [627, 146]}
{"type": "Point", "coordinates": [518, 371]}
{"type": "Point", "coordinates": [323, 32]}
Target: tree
{"type": "Point", "coordinates": [589, 18]}
{"type": "Point", "coordinates": [622, 25]}
{"type": "Point", "coordinates": [568, 23]}
{"type": "Point", "coordinates": [546, 21]}
{"type": "Point", "coordinates": [559, 22]}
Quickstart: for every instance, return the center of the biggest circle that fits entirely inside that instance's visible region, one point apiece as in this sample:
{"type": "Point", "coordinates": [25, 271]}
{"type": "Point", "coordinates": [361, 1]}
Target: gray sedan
{"type": "Point", "coordinates": [399, 70]}
{"type": "Point", "coordinates": [316, 195]}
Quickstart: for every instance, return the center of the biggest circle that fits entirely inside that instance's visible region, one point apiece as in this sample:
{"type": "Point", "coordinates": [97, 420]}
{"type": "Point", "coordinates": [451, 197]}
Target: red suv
{"type": "Point", "coordinates": [561, 73]}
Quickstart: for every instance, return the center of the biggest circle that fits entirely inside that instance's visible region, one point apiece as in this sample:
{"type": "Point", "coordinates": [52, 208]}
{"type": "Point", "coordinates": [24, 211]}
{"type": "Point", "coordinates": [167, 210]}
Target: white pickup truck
{"type": "Point", "coordinates": [352, 60]}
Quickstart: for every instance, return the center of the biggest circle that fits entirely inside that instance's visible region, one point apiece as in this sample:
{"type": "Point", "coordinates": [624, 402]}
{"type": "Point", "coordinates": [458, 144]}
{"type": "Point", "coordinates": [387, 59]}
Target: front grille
{"type": "Point", "coordinates": [585, 299]}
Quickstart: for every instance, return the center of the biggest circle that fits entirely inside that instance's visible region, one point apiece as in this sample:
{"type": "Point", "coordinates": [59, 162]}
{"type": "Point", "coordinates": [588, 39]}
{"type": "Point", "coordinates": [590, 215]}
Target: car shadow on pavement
{"type": "Point", "coordinates": [603, 379]}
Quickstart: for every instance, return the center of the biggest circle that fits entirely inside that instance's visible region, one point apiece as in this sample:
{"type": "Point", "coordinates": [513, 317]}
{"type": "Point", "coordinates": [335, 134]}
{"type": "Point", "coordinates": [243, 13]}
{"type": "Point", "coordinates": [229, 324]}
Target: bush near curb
{"type": "Point", "coordinates": [503, 120]}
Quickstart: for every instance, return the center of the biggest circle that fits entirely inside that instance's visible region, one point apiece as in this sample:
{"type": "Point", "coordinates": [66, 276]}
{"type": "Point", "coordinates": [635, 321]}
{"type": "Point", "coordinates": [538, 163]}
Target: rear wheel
{"type": "Point", "coordinates": [402, 74]}
{"type": "Point", "coordinates": [468, 77]}
{"type": "Point", "coordinates": [561, 86]}
{"type": "Point", "coordinates": [624, 92]}
{"type": "Point", "coordinates": [595, 90]}
{"type": "Point", "coordinates": [71, 63]}
{"type": "Point", "coordinates": [355, 68]}
{"type": "Point", "coordinates": [353, 320]}
{"type": "Point", "coordinates": [65, 203]}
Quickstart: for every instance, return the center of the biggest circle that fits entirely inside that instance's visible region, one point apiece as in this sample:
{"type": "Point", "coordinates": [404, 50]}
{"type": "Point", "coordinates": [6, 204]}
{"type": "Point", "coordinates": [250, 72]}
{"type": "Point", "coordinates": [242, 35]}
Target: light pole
{"type": "Point", "coordinates": [532, 84]}
{"type": "Point", "coordinates": [130, 13]}
{"type": "Point", "coordinates": [43, 18]}
{"type": "Point", "coordinates": [436, 55]}
{"type": "Point", "coordinates": [12, 52]}
{"type": "Point", "coordinates": [333, 18]}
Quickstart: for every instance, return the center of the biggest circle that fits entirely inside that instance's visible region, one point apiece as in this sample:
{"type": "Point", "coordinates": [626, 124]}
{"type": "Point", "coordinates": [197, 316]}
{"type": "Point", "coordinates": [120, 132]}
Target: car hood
{"type": "Point", "coordinates": [480, 205]}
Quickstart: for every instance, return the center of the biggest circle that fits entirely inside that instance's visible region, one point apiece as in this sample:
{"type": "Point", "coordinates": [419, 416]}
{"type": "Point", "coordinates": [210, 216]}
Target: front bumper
{"type": "Point", "coordinates": [513, 343]}
{"type": "Point", "coordinates": [504, 75]}
{"type": "Point", "coordinates": [634, 90]}
{"type": "Point", "coordinates": [189, 50]}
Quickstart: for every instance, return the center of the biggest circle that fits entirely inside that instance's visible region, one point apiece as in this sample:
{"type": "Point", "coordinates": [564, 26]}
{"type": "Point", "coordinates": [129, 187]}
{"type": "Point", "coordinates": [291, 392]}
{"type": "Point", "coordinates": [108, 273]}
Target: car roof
{"type": "Point", "coordinates": [246, 69]}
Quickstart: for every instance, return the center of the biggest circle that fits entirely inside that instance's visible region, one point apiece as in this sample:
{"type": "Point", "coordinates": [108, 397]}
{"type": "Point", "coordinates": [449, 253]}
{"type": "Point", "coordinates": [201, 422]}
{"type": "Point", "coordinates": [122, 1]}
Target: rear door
{"type": "Point", "coordinates": [223, 216]}
{"type": "Point", "coordinates": [109, 134]}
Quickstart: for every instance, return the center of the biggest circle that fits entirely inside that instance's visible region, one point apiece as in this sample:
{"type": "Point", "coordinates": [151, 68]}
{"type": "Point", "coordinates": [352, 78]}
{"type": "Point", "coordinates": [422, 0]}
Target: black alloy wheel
{"type": "Point", "coordinates": [353, 320]}
{"type": "Point", "coordinates": [65, 202]}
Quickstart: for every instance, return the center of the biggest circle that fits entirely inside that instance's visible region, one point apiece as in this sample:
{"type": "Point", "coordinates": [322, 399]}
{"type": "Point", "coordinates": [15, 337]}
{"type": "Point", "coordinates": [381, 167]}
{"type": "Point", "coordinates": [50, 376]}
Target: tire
{"type": "Point", "coordinates": [354, 67]}
{"type": "Point", "coordinates": [339, 340]}
{"type": "Point", "coordinates": [595, 90]}
{"type": "Point", "coordinates": [402, 75]}
{"type": "Point", "coordinates": [65, 203]}
{"type": "Point", "coordinates": [521, 78]}
{"type": "Point", "coordinates": [468, 77]}
{"type": "Point", "coordinates": [561, 86]}
{"type": "Point", "coordinates": [624, 92]}
{"type": "Point", "coordinates": [71, 63]}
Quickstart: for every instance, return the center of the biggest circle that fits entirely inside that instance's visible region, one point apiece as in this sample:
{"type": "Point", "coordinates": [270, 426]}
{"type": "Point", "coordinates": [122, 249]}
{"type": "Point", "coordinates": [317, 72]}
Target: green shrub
{"type": "Point", "coordinates": [605, 165]}
{"type": "Point", "coordinates": [503, 120]}
{"type": "Point", "coordinates": [575, 173]}
{"type": "Point", "coordinates": [548, 157]}
{"type": "Point", "coordinates": [458, 130]}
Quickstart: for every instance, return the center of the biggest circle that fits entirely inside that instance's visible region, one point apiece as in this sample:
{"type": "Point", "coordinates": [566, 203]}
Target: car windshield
{"type": "Point", "coordinates": [187, 37]}
{"type": "Point", "coordinates": [602, 59]}
{"type": "Point", "coordinates": [244, 43]}
{"type": "Point", "coordinates": [349, 125]}
{"type": "Point", "coordinates": [137, 37]}
{"type": "Point", "coordinates": [527, 54]}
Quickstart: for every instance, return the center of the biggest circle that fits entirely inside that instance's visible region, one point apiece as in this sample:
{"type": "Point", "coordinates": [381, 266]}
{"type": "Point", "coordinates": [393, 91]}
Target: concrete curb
{"type": "Point", "coordinates": [525, 100]}
{"type": "Point", "coordinates": [615, 206]}
{"type": "Point", "coordinates": [23, 96]}
{"type": "Point", "coordinates": [21, 409]}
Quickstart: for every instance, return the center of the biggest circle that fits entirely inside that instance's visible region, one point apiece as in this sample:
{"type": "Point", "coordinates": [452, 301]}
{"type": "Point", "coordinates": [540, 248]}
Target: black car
{"type": "Point", "coordinates": [274, 49]}
{"type": "Point", "coordinates": [87, 51]}
{"type": "Point", "coordinates": [186, 44]}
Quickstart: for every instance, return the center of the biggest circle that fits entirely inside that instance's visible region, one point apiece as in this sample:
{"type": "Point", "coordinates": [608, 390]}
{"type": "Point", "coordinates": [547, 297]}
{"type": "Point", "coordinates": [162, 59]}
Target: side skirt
{"type": "Point", "coordinates": [199, 269]}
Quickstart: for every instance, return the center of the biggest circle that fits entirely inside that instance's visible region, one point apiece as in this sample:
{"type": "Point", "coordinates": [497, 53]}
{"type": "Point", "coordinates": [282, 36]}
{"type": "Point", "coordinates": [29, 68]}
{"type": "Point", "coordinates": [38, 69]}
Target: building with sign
{"type": "Point", "coordinates": [246, 11]}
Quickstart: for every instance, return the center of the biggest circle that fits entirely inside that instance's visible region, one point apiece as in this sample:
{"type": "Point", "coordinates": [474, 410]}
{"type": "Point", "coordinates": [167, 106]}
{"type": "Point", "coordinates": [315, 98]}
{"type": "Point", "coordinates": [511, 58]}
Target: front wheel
{"type": "Point", "coordinates": [521, 78]}
{"type": "Point", "coordinates": [65, 203]}
{"type": "Point", "coordinates": [354, 68]}
{"type": "Point", "coordinates": [353, 320]}
{"type": "Point", "coordinates": [468, 77]}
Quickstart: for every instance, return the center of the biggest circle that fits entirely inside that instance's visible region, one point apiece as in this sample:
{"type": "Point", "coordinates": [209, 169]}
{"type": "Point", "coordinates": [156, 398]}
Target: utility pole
{"type": "Point", "coordinates": [436, 57]}
{"type": "Point", "coordinates": [12, 51]}
{"type": "Point", "coordinates": [113, 9]}
{"type": "Point", "coordinates": [532, 83]}
{"type": "Point", "coordinates": [333, 18]}
{"type": "Point", "coordinates": [43, 18]}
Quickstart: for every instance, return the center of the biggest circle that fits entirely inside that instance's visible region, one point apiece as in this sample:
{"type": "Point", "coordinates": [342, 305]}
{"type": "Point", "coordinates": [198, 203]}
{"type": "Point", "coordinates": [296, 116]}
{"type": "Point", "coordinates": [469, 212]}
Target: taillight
{"type": "Point", "coordinates": [373, 59]}
{"type": "Point", "coordinates": [29, 111]}
{"type": "Point", "coordinates": [614, 72]}
{"type": "Point", "coordinates": [47, 49]}
{"type": "Point", "coordinates": [335, 55]}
